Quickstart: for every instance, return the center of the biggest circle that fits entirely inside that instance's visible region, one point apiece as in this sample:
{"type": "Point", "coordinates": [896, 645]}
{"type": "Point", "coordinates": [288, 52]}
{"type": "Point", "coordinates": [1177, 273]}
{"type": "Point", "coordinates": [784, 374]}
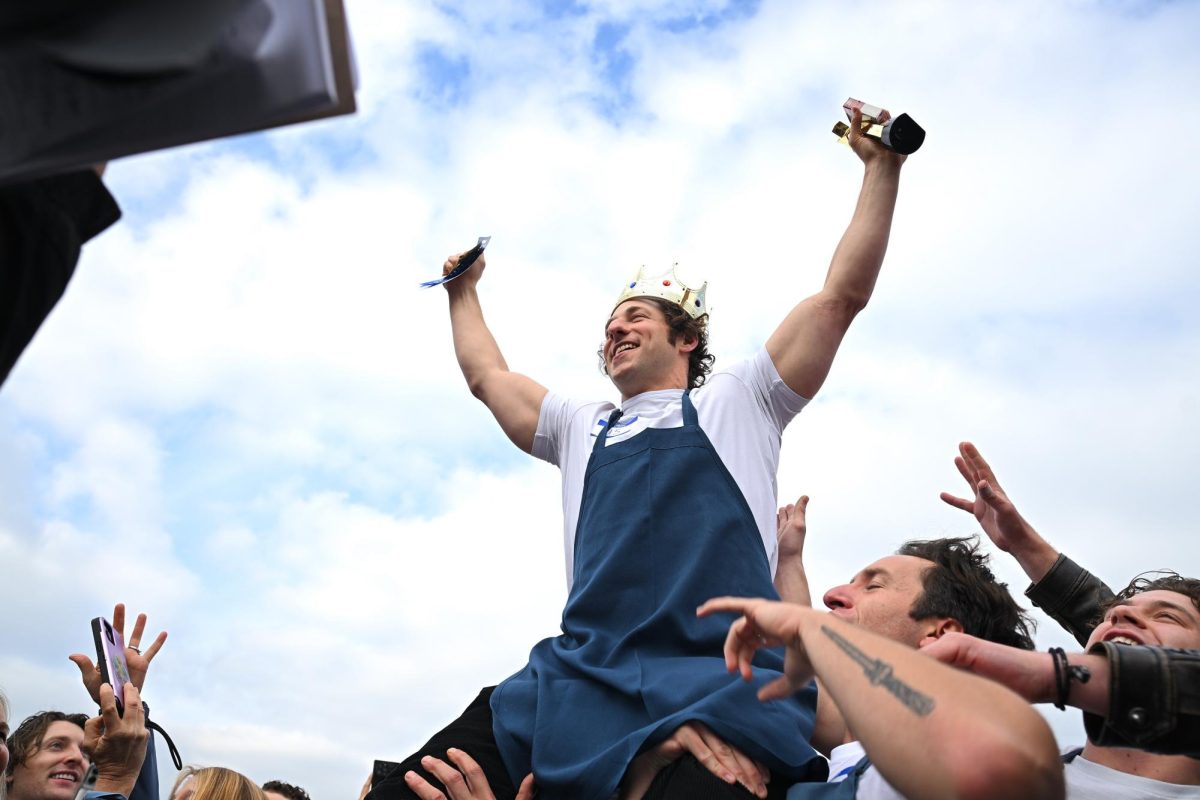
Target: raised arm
{"type": "Point", "coordinates": [961, 738]}
{"type": "Point", "coordinates": [1070, 594]}
{"type": "Point", "coordinates": [514, 399]}
{"type": "Point", "coordinates": [791, 581]}
{"type": "Point", "coordinates": [803, 346]}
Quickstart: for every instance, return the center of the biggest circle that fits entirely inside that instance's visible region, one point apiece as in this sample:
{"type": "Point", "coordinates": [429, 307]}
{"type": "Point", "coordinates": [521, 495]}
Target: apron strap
{"type": "Point", "coordinates": [603, 437]}
{"type": "Point", "coordinates": [690, 420]}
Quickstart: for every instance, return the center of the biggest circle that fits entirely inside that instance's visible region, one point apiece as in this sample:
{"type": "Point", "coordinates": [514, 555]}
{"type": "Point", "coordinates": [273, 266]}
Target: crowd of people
{"type": "Point", "coordinates": [917, 681]}
{"type": "Point", "coordinates": [67, 755]}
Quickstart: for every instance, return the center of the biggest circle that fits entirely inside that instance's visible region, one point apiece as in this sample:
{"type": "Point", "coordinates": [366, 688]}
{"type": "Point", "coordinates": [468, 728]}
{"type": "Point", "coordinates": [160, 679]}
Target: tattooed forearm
{"type": "Point", "coordinates": [880, 674]}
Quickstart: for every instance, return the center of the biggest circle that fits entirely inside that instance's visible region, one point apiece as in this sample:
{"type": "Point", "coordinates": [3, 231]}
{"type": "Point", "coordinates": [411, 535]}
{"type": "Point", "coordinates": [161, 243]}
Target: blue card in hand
{"type": "Point", "coordinates": [464, 263]}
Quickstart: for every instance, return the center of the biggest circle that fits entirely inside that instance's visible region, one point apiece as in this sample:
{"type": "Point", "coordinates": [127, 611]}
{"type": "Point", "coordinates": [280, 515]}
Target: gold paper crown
{"type": "Point", "coordinates": [668, 287]}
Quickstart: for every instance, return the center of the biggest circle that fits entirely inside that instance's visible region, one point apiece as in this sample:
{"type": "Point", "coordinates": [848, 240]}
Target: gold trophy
{"type": "Point", "coordinates": [901, 134]}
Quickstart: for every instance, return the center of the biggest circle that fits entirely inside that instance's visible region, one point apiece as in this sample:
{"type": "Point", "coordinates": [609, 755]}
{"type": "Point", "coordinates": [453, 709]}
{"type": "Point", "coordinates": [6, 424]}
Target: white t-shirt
{"type": "Point", "coordinates": [743, 410]}
{"type": "Point", "coordinates": [1087, 780]}
{"type": "Point", "coordinates": [871, 786]}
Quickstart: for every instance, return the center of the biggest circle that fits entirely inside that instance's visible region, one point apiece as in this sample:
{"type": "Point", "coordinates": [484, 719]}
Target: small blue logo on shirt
{"type": "Point", "coordinates": [619, 429]}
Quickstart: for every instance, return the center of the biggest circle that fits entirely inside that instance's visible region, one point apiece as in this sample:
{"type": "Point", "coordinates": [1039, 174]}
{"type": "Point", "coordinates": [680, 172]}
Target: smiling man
{"type": "Point", "coordinates": [48, 760]}
{"type": "Point", "coordinates": [668, 499]}
{"type": "Point", "coordinates": [50, 752]}
{"type": "Point", "coordinates": [1146, 618]}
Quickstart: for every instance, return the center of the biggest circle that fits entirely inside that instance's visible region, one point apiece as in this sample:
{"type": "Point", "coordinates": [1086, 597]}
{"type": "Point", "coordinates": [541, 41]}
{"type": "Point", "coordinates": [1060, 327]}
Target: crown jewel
{"type": "Point", "coordinates": [668, 287]}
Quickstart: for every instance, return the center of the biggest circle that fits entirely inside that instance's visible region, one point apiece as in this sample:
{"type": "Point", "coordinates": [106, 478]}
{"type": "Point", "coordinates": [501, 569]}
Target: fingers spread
{"type": "Point", "coordinates": [153, 649]}
{"type": "Point", "coordinates": [139, 626]}
{"type": "Point", "coordinates": [965, 470]}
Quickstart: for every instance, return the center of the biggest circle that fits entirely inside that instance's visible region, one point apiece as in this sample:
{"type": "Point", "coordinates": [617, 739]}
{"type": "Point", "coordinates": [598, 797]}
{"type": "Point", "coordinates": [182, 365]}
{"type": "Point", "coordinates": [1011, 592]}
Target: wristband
{"type": "Point", "coordinates": [1064, 673]}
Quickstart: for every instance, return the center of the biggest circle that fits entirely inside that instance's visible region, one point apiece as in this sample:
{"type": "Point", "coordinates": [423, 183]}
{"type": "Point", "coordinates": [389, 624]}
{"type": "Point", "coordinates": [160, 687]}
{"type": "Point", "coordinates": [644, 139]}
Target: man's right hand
{"type": "Point", "coordinates": [464, 780]}
{"type": "Point", "coordinates": [469, 278]}
{"type": "Point", "coordinates": [791, 581]}
{"type": "Point", "coordinates": [722, 759]}
{"type": "Point", "coordinates": [117, 744]}
{"type": "Point", "coordinates": [997, 515]}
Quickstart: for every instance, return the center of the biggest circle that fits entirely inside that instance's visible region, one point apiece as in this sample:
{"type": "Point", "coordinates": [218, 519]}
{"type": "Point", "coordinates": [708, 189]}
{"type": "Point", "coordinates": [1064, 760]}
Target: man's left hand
{"type": "Point", "coordinates": [137, 661]}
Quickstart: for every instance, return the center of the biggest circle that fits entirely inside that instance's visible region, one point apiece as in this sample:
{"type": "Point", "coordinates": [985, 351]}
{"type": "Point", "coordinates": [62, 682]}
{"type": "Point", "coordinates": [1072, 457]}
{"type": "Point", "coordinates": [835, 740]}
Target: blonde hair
{"type": "Point", "coordinates": [216, 783]}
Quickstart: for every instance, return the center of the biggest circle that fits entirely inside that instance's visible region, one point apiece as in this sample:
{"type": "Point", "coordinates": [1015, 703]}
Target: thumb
{"type": "Point", "coordinates": [775, 690]}
{"type": "Point", "coordinates": [991, 496]}
{"type": "Point", "coordinates": [83, 662]}
{"type": "Point", "coordinates": [93, 729]}
{"type": "Point", "coordinates": [526, 790]}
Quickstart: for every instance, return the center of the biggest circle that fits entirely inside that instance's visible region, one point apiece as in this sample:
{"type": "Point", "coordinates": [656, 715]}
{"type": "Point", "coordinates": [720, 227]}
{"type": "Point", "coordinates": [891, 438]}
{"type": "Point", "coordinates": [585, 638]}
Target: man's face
{"type": "Point", "coordinates": [638, 353]}
{"type": "Point", "coordinates": [55, 769]}
{"type": "Point", "coordinates": [879, 597]}
{"type": "Point", "coordinates": [1158, 617]}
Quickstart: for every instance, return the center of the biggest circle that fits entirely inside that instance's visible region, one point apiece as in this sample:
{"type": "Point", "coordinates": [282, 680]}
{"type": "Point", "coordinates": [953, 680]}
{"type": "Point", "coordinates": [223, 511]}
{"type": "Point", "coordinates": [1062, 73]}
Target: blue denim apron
{"type": "Point", "coordinates": [662, 528]}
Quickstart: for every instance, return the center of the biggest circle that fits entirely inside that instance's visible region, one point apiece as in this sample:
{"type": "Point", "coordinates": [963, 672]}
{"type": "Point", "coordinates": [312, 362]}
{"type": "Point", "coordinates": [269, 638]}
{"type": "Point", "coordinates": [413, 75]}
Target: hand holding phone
{"type": "Point", "coordinates": [137, 662]}
{"type": "Point", "coordinates": [110, 658]}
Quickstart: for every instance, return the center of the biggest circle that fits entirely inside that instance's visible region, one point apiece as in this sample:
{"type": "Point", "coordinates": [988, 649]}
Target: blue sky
{"type": "Point", "coordinates": [245, 419]}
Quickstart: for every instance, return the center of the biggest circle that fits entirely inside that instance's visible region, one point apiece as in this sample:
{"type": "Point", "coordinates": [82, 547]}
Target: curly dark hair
{"type": "Point", "coordinates": [681, 323]}
{"type": "Point", "coordinates": [27, 738]}
{"type": "Point", "coordinates": [961, 586]}
{"type": "Point", "coordinates": [286, 789]}
{"type": "Point", "coordinates": [1160, 580]}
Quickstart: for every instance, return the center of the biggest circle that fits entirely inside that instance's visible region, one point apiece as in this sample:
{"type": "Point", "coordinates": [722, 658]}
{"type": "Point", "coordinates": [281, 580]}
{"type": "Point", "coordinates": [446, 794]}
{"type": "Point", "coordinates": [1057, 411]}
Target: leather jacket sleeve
{"type": "Point", "coordinates": [1154, 692]}
{"type": "Point", "coordinates": [1072, 596]}
{"type": "Point", "coordinates": [1154, 700]}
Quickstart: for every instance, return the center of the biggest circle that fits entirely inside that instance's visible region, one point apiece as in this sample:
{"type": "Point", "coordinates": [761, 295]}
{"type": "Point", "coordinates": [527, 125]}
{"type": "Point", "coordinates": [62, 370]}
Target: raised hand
{"type": "Point", "coordinates": [791, 581]}
{"type": "Point", "coordinates": [468, 278]}
{"type": "Point", "coordinates": [117, 743]}
{"type": "Point", "coordinates": [997, 515]}
{"type": "Point", "coordinates": [137, 661]}
{"type": "Point", "coordinates": [868, 148]}
{"type": "Point", "coordinates": [790, 528]}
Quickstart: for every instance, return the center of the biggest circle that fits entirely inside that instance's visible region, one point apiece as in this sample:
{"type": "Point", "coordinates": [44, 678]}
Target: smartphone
{"type": "Point", "coordinates": [110, 659]}
{"type": "Point", "coordinates": [382, 770]}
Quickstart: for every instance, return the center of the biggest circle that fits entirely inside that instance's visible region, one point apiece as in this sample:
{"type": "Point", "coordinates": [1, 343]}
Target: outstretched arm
{"type": "Point", "coordinates": [1123, 700]}
{"type": "Point", "coordinates": [961, 738]}
{"type": "Point", "coordinates": [514, 399]}
{"type": "Point", "coordinates": [803, 346]}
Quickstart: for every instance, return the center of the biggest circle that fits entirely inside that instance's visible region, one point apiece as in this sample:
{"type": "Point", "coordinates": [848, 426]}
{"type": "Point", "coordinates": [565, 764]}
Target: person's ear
{"type": "Point", "coordinates": [939, 628]}
{"type": "Point", "coordinates": [688, 342]}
